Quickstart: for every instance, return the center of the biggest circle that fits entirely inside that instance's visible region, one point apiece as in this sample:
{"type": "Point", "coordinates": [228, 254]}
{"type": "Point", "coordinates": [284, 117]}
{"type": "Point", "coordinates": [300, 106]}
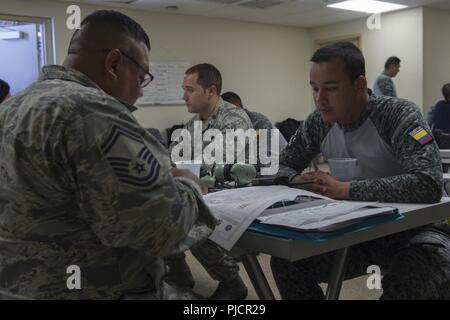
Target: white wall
{"type": "Point", "coordinates": [401, 34]}
{"type": "Point", "coordinates": [267, 65]}
{"type": "Point", "coordinates": [436, 54]}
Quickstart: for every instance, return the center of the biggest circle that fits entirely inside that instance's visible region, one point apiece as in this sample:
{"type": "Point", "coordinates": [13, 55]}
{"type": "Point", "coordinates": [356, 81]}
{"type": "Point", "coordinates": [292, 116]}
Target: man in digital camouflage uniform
{"type": "Point", "coordinates": [259, 121]}
{"type": "Point", "coordinates": [202, 85]}
{"type": "Point", "coordinates": [82, 183]}
{"type": "Point", "coordinates": [399, 162]}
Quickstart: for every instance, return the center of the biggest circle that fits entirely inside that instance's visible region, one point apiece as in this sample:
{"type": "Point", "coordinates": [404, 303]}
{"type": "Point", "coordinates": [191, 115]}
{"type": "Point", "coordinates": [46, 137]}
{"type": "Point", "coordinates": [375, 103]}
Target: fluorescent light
{"type": "Point", "coordinates": [368, 6]}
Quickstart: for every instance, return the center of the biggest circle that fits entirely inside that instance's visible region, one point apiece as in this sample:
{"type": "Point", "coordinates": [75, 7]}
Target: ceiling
{"type": "Point", "coordinates": [298, 13]}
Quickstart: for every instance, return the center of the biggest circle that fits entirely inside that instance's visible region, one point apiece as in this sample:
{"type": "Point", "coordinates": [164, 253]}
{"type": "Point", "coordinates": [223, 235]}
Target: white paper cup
{"type": "Point", "coordinates": [344, 169]}
{"type": "Point", "coordinates": [194, 167]}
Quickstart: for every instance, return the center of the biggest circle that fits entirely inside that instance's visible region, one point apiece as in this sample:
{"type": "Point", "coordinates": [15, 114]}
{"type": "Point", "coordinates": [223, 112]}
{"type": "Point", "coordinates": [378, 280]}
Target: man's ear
{"type": "Point", "coordinates": [211, 91]}
{"type": "Point", "coordinates": [112, 62]}
{"type": "Point", "coordinates": [361, 83]}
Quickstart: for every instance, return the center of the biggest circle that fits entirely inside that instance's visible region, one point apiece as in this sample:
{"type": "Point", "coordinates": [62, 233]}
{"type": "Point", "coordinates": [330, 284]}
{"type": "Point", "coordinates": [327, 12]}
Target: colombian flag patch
{"type": "Point", "coordinates": [421, 135]}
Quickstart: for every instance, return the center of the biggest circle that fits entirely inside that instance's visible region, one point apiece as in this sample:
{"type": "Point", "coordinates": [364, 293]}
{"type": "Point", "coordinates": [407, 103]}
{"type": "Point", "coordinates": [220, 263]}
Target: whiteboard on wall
{"type": "Point", "coordinates": [166, 87]}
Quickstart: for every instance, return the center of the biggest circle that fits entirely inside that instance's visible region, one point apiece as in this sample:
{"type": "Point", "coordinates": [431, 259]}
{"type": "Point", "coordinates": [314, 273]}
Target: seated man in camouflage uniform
{"type": "Point", "coordinates": [84, 186]}
{"type": "Point", "coordinates": [395, 165]}
{"type": "Point", "coordinates": [202, 85]}
{"type": "Point", "coordinates": [259, 121]}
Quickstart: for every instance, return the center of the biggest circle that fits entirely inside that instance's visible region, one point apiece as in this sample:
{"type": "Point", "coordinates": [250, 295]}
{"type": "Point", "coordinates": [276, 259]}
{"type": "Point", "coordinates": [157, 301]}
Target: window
{"type": "Point", "coordinates": [25, 46]}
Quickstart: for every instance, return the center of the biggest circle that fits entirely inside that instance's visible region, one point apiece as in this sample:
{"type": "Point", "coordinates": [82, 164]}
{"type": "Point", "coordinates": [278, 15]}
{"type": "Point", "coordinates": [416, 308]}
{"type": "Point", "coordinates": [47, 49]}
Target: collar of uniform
{"type": "Point", "coordinates": [364, 115]}
{"type": "Point", "coordinates": [69, 74]}
{"type": "Point", "coordinates": [64, 73]}
{"type": "Point", "coordinates": [129, 106]}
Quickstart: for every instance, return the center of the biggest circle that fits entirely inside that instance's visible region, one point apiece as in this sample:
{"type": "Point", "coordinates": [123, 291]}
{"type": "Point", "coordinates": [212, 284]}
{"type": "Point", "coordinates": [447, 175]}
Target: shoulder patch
{"type": "Point", "coordinates": [131, 160]}
{"type": "Point", "coordinates": [421, 135]}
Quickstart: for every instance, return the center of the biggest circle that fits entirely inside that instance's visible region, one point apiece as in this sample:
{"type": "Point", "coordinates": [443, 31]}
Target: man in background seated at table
{"type": "Point", "coordinates": [259, 121]}
{"type": "Point", "coordinates": [439, 116]}
{"type": "Point", "coordinates": [398, 162]}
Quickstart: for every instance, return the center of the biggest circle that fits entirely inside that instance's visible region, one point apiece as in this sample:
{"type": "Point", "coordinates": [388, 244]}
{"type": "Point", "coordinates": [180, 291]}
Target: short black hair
{"type": "Point", "coordinates": [446, 91]}
{"type": "Point", "coordinates": [116, 22]}
{"type": "Point", "coordinates": [392, 61]}
{"type": "Point", "coordinates": [208, 76]}
{"type": "Point", "coordinates": [232, 97]}
{"type": "Point", "coordinates": [348, 53]}
{"type": "Point", "coordinates": [4, 90]}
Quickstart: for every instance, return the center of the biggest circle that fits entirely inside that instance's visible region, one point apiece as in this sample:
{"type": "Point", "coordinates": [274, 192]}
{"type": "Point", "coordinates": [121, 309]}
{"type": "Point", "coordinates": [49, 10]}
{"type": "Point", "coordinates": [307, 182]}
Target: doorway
{"type": "Point", "coordinates": [25, 47]}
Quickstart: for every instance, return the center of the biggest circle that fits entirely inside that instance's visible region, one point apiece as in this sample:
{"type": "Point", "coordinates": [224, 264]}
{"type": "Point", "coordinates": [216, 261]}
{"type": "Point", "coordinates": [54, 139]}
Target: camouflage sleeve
{"type": "Point", "coordinates": [303, 146]}
{"type": "Point", "coordinates": [234, 120]}
{"type": "Point", "coordinates": [420, 159]}
{"type": "Point", "coordinates": [126, 190]}
{"type": "Point", "coordinates": [261, 122]}
{"type": "Point", "coordinates": [386, 86]}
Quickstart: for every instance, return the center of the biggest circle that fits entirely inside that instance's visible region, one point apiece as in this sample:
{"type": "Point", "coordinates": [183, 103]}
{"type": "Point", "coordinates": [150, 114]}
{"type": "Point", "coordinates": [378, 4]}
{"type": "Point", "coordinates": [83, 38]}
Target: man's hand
{"type": "Point", "coordinates": [324, 184]}
{"type": "Point", "coordinates": [188, 174]}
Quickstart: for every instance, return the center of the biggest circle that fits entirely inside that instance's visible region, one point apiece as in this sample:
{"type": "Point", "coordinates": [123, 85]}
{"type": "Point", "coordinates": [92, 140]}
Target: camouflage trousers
{"type": "Point", "coordinates": [415, 265]}
{"type": "Point", "coordinates": [216, 261]}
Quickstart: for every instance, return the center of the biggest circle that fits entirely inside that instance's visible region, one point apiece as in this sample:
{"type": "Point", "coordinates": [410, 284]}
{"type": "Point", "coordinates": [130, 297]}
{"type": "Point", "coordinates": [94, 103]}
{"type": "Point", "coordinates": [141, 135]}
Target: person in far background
{"type": "Point", "coordinates": [4, 91]}
{"type": "Point", "coordinates": [439, 114]}
{"type": "Point", "coordinates": [384, 86]}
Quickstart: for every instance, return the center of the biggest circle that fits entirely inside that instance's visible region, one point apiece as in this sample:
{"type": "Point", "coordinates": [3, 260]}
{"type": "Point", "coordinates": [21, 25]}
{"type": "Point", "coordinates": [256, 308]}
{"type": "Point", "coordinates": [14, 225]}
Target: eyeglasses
{"type": "Point", "coordinates": [148, 76]}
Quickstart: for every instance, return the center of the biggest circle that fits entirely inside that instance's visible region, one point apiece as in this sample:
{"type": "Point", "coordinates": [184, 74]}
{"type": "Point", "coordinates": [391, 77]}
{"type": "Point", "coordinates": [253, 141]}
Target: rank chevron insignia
{"type": "Point", "coordinates": [131, 160]}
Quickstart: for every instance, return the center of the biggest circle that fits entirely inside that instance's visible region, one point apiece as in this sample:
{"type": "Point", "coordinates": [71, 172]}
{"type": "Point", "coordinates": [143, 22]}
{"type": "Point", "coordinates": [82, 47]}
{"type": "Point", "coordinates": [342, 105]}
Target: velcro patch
{"type": "Point", "coordinates": [421, 135]}
{"type": "Point", "coordinates": [131, 160]}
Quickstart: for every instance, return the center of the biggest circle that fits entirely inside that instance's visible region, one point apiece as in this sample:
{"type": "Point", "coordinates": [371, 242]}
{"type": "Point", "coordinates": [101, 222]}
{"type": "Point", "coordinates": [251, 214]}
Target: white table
{"type": "Point", "coordinates": [251, 243]}
{"type": "Point", "coordinates": [445, 158]}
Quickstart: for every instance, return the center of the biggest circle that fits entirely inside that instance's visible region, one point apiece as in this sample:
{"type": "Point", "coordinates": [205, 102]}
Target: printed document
{"type": "Point", "coordinates": [237, 208]}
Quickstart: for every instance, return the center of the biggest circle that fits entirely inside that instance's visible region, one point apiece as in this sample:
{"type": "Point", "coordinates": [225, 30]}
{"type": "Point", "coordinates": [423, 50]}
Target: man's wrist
{"type": "Point", "coordinates": [292, 176]}
{"type": "Point", "coordinates": [344, 190]}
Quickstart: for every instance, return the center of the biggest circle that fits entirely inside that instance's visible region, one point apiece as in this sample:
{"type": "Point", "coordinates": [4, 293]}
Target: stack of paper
{"type": "Point", "coordinates": [326, 216]}
{"type": "Point", "coordinates": [237, 208]}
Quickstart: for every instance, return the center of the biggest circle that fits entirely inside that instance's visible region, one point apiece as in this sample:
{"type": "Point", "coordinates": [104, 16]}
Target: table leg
{"type": "Point", "coordinates": [337, 275]}
{"type": "Point", "coordinates": [257, 277]}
